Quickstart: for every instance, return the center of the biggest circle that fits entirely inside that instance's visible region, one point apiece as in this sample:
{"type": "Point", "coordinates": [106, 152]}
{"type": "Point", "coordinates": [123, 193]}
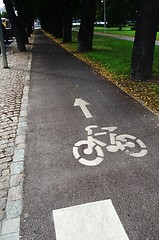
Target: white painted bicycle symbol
{"type": "Point", "coordinates": [93, 147]}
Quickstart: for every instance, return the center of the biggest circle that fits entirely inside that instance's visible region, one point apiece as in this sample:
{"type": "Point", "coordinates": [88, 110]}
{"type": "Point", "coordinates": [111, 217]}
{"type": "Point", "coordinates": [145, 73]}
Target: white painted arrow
{"type": "Point", "coordinates": [82, 104]}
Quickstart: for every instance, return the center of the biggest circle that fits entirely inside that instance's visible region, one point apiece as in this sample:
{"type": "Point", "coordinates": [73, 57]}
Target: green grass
{"type": "Point", "coordinates": [114, 54]}
{"type": "Point", "coordinates": [126, 31]}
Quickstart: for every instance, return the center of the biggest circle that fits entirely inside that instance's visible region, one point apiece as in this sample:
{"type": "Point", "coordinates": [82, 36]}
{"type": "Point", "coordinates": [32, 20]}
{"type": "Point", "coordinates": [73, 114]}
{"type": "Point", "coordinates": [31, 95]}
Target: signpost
{"type": "Point", "coordinates": [3, 51]}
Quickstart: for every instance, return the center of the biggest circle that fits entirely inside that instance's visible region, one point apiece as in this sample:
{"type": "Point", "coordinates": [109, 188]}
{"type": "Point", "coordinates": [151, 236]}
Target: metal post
{"type": "Point", "coordinates": [3, 50]}
{"type": "Point", "coordinates": [104, 16]}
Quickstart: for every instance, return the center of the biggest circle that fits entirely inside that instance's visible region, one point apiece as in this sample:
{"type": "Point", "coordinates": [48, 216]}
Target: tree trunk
{"type": "Point", "coordinates": [58, 26]}
{"type": "Point", "coordinates": [65, 10]}
{"type": "Point", "coordinates": [144, 43]}
{"type": "Point", "coordinates": [85, 35]}
{"type": "Point", "coordinates": [67, 30]}
{"type": "Point", "coordinates": [15, 25]}
{"type": "Point", "coordinates": [120, 27]}
{"type": "Point", "coordinates": [22, 20]}
{"type": "Point", "coordinates": [29, 25]}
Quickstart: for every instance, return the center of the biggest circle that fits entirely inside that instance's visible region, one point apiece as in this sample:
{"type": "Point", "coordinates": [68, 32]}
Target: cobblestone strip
{"type": "Point", "coordinates": [10, 225]}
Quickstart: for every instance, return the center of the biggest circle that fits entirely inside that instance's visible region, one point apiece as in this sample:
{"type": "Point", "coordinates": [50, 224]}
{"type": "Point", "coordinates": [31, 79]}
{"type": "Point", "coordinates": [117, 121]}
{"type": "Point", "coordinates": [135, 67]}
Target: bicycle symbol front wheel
{"type": "Point", "coordinates": [88, 150]}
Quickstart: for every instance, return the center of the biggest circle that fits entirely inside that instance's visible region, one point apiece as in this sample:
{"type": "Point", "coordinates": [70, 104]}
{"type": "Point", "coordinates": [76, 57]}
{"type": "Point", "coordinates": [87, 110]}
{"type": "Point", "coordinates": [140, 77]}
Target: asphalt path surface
{"type": "Point", "coordinates": [56, 178]}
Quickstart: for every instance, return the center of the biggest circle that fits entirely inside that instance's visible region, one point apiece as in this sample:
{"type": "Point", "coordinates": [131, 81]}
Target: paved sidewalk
{"type": "Point", "coordinates": [13, 105]}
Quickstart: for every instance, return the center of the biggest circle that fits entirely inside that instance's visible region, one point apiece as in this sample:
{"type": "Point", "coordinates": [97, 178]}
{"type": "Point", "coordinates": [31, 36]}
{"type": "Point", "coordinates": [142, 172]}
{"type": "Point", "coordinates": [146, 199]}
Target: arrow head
{"type": "Point", "coordinates": [80, 102]}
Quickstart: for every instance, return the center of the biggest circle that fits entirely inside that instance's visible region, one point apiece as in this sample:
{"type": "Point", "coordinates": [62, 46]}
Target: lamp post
{"type": "Point", "coordinates": [104, 16]}
{"type": "Point", "coordinates": [104, 13]}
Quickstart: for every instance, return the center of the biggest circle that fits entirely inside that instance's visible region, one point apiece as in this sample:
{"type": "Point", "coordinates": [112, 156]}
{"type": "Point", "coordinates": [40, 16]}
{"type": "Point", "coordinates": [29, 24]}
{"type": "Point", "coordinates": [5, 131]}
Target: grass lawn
{"type": "Point", "coordinates": [126, 31]}
{"type": "Point", "coordinates": [112, 59]}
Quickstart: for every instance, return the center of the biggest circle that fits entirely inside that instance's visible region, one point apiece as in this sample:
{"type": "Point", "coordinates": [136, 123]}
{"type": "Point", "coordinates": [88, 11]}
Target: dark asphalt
{"type": "Point", "coordinates": [54, 178]}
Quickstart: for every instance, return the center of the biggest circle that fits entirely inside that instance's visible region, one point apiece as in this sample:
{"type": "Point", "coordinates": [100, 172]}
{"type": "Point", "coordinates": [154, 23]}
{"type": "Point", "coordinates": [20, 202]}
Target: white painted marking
{"type": "Point", "coordinates": [116, 142]}
{"type": "Point", "coordinates": [91, 221]}
{"type": "Point", "coordinates": [89, 150]}
{"type": "Point", "coordinates": [91, 163]}
{"type": "Point", "coordinates": [82, 104]}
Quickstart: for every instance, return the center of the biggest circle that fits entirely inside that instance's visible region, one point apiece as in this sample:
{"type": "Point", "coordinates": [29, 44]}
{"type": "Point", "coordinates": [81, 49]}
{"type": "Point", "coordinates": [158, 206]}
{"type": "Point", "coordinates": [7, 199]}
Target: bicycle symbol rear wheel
{"type": "Point", "coordinates": [131, 142]}
{"type": "Point", "coordinates": [88, 151]}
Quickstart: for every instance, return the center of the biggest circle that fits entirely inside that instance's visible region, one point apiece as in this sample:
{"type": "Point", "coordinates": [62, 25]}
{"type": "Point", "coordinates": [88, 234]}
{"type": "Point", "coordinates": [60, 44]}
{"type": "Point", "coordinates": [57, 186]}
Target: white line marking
{"type": "Point", "coordinates": [97, 220]}
{"type": "Point", "coordinates": [82, 104]}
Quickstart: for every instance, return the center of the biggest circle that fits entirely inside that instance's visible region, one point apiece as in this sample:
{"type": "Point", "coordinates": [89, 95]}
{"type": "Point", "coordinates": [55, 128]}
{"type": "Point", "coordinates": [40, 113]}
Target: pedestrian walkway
{"type": "Point", "coordinates": [14, 89]}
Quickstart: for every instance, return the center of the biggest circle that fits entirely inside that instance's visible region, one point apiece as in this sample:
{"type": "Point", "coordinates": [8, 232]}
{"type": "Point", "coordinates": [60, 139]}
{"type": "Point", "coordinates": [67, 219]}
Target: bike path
{"type": "Point", "coordinates": [56, 179]}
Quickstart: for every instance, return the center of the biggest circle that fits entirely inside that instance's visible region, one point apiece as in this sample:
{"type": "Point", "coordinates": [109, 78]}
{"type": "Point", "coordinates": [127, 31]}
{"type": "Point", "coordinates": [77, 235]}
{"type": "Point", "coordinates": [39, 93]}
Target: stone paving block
{"type": "Point", "coordinates": [5, 172]}
{"type": "Point", "coordinates": [23, 113]}
{"type": "Point", "coordinates": [3, 202]}
{"type": "Point", "coordinates": [5, 159]}
{"type": "Point", "coordinates": [18, 155]}
{"type": "Point", "coordinates": [12, 236]}
{"type": "Point", "coordinates": [4, 142]}
{"type": "Point", "coordinates": [13, 209]}
{"type": "Point", "coordinates": [9, 151]}
{"type": "Point", "coordinates": [24, 106]}
{"type": "Point", "coordinates": [4, 185]}
{"type": "Point", "coordinates": [2, 155]}
{"type": "Point", "coordinates": [15, 119]}
{"type": "Point", "coordinates": [10, 226]}
{"type": "Point", "coordinates": [20, 139]}
{"type": "Point", "coordinates": [16, 180]}
{"type": "Point", "coordinates": [25, 94]}
{"type": "Point", "coordinates": [3, 193]}
{"type": "Point", "coordinates": [22, 119]}
{"type": "Point", "coordinates": [21, 128]}
{"type": "Point", "coordinates": [4, 179]}
{"type": "Point", "coordinates": [20, 146]}
{"type": "Point", "coordinates": [25, 101]}
{"type": "Point", "coordinates": [2, 214]}
{"type": "Point", "coordinates": [15, 193]}
{"type": "Point", "coordinates": [17, 168]}
{"type": "Point", "coordinates": [0, 226]}
{"type": "Point", "coordinates": [3, 166]}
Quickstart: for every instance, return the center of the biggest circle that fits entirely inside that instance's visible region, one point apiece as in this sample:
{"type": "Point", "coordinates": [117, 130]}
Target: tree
{"type": "Point", "coordinates": [66, 15]}
{"type": "Point", "coordinates": [85, 35]}
{"type": "Point", "coordinates": [15, 25]}
{"type": "Point", "coordinates": [144, 44]}
{"type": "Point", "coordinates": [22, 19]}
